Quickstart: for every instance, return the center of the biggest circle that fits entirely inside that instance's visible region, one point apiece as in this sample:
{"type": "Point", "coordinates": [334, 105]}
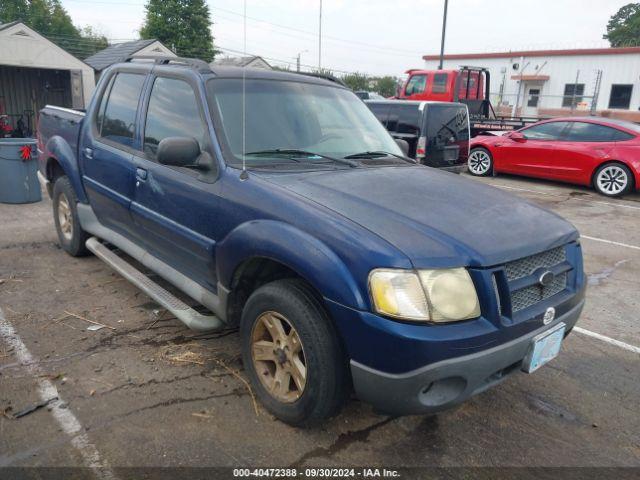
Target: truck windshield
{"type": "Point", "coordinates": [319, 122]}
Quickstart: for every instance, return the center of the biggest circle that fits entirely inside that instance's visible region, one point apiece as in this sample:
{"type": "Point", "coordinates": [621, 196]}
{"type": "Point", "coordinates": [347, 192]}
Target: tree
{"type": "Point", "coordinates": [623, 29]}
{"type": "Point", "coordinates": [182, 25]}
{"type": "Point", "coordinates": [49, 18]}
{"type": "Point", "coordinates": [356, 81]}
{"type": "Point", "coordinates": [386, 86]}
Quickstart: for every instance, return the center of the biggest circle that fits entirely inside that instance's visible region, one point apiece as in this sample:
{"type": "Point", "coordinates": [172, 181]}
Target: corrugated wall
{"type": "Point", "coordinates": [24, 91]}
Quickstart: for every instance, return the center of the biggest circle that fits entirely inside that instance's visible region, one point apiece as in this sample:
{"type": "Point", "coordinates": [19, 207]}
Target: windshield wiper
{"type": "Point", "coordinates": [378, 154]}
{"type": "Point", "coordinates": [294, 151]}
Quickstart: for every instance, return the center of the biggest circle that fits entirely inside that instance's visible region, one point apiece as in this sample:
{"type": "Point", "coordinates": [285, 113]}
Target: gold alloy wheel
{"type": "Point", "coordinates": [278, 357]}
{"type": "Point", "coordinates": [65, 218]}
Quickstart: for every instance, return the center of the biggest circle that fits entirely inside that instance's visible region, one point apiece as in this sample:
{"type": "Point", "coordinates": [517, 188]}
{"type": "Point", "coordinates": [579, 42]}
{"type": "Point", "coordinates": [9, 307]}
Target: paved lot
{"type": "Point", "coordinates": [148, 392]}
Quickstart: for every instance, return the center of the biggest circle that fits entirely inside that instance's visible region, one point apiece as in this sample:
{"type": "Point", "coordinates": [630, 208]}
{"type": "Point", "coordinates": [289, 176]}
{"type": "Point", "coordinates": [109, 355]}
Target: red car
{"type": "Point", "coordinates": [593, 151]}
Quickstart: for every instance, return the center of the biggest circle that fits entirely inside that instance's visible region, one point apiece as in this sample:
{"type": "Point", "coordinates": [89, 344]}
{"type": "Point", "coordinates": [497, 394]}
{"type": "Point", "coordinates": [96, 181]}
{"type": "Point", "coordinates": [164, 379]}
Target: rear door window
{"type": "Point", "coordinates": [173, 112]}
{"type": "Point", "coordinates": [591, 132]}
{"type": "Point", "coordinates": [546, 131]}
{"type": "Point", "coordinates": [440, 83]}
{"type": "Point", "coordinates": [118, 121]}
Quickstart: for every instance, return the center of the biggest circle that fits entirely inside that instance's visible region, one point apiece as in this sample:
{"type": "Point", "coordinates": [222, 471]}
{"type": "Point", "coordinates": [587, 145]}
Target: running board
{"type": "Point", "coordinates": [182, 311]}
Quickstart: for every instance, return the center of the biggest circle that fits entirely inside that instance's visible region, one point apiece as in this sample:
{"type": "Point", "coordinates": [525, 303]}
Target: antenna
{"type": "Point", "coordinates": [244, 175]}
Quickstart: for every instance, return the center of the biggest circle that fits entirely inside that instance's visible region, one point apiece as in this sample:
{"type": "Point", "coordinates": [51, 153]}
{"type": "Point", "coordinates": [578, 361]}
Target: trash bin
{"type": "Point", "coordinates": [18, 171]}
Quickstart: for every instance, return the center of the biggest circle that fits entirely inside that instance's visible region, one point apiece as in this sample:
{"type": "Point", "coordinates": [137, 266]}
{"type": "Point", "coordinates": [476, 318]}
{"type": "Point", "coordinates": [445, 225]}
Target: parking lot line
{"type": "Point", "coordinates": [611, 242]}
{"type": "Point", "coordinates": [60, 411]}
{"type": "Point", "coordinates": [553, 194]}
{"type": "Point", "coordinates": [609, 340]}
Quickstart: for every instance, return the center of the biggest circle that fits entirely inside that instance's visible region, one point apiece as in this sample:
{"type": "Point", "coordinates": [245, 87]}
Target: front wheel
{"type": "Point", "coordinates": [613, 180]}
{"type": "Point", "coordinates": [480, 162]}
{"type": "Point", "coordinates": [65, 215]}
{"type": "Point", "coordinates": [292, 354]}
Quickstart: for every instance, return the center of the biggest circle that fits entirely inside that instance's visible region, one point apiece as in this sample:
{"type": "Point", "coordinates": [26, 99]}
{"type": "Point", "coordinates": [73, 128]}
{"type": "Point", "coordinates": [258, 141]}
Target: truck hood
{"type": "Point", "coordinates": [437, 219]}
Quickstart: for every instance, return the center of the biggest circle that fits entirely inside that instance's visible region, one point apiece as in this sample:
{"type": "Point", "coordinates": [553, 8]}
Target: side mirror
{"type": "Point", "coordinates": [404, 146]}
{"type": "Point", "coordinates": [518, 137]}
{"type": "Point", "coordinates": [178, 151]}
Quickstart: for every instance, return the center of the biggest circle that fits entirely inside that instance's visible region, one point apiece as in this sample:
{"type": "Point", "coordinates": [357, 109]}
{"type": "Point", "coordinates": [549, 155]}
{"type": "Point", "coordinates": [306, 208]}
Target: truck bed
{"type": "Point", "coordinates": [60, 121]}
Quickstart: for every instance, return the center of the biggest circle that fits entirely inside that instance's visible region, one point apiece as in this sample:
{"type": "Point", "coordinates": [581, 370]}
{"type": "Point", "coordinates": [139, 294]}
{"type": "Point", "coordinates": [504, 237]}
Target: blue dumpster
{"type": "Point", "coordinates": [18, 171]}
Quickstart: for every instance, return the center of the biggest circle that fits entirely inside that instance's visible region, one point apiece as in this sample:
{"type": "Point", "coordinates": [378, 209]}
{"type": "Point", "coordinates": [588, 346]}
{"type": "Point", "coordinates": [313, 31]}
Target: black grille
{"type": "Point", "coordinates": [528, 296]}
{"type": "Point", "coordinates": [535, 293]}
{"type": "Point", "coordinates": [526, 266]}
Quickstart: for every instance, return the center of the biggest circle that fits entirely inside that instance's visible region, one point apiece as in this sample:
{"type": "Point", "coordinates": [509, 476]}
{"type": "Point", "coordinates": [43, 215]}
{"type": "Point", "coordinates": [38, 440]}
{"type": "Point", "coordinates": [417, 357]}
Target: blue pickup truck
{"type": "Point", "coordinates": [280, 203]}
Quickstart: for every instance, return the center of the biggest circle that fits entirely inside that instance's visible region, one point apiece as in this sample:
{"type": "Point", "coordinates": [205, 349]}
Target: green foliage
{"type": "Point", "coordinates": [49, 18]}
{"type": "Point", "coordinates": [356, 81]}
{"type": "Point", "coordinates": [182, 25]}
{"type": "Point", "coordinates": [623, 29]}
{"type": "Point", "coordinates": [386, 86]}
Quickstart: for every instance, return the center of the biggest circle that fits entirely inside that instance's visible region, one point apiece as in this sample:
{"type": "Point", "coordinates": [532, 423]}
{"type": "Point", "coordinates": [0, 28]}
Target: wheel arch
{"type": "Point", "coordinates": [61, 160]}
{"type": "Point", "coordinates": [263, 250]}
{"type": "Point", "coordinates": [635, 176]}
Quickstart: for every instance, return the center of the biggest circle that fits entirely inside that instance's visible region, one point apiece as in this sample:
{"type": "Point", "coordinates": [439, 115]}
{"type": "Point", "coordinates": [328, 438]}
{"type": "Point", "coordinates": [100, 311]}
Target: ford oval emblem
{"type": "Point", "coordinates": [549, 315]}
{"type": "Point", "coordinates": [546, 278]}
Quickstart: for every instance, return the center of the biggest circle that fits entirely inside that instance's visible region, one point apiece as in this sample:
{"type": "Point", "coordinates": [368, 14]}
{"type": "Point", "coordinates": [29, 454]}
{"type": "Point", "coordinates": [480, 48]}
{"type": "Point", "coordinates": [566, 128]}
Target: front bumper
{"type": "Point", "coordinates": [447, 383]}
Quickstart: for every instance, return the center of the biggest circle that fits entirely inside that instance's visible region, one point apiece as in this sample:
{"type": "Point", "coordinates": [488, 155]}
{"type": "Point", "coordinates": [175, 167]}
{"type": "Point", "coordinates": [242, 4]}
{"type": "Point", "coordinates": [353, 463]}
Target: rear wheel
{"type": "Point", "coordinates": [480, 162]}
{"type": "Point", "coordinates": [292, 354]}
{"type": "Point", "coordinates": [65, 215]}
{"type": "Point", "coordinates": [613, 180]}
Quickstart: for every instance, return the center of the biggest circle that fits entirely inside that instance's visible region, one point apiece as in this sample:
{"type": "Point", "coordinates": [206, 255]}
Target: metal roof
{"type": "Point", "coordinates": [115, 53]}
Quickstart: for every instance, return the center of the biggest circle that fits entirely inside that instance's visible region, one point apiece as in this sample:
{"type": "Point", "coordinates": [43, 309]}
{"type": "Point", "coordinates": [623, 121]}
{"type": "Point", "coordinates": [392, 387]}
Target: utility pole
{"type": "Point", "coordinates": [320, 38]}
{"type": "Point", "coordinates": [298, 59]}
{"type": "Point", "coordinates": [444, 31]}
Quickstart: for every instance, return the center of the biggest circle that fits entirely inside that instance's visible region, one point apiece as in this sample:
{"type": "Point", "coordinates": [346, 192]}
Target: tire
{"type": "Point", "coordinates": [480, 162]}
{"type": "Point", "coordinates": [613, 180]}
{"type": "Point", "coordinates": [326, 381]}
{"type": "Point", "coordinates": [65, 215]}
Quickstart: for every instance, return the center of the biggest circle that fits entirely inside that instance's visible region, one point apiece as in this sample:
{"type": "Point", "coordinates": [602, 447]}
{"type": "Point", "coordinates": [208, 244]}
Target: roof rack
{"type": "Point", "coordinates": [324, 76]}
{"type": "Point", "coordinates": [197, 64]}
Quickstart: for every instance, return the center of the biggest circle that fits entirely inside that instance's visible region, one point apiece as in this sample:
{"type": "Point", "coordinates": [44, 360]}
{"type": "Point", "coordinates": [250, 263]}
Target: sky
{"type": "Point", "coordinates": [375, 37]}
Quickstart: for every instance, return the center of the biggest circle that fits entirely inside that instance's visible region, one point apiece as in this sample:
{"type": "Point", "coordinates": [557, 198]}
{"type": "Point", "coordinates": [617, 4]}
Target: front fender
{"type": "Point", "coordinates": [306, 255]}
{"type": "Point", "coordinates": [60, 150]}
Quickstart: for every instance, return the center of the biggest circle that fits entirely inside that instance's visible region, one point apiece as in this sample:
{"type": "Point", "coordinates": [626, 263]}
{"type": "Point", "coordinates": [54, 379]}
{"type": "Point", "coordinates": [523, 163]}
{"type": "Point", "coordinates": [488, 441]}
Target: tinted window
{"type": "Point", "coordinates": [173, 112]}
{"type": "Point", "coordinates": [591, 132]}
{"type": "Point", "coordinates": [447, 124]}
{"type": "Point", "coordinates": [440, 83]}
{"type": "Point", "coordinates": [103, 105]}
{"type": "Point", "coordinates": [573, 93]}
{"type": "Point", "coordinates": [405, 119]}
{"type": "Point", "coordinates": [119, 120]}
{"type": "Point", "coordinates": [416, 84]}
{"type": "Point", "coordinates": [545, 131]}
{"type": "Point", "coordinates": [620, 96]}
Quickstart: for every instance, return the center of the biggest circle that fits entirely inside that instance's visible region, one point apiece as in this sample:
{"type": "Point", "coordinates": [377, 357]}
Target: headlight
{"type": "Point", "coordinates": [439, 296]}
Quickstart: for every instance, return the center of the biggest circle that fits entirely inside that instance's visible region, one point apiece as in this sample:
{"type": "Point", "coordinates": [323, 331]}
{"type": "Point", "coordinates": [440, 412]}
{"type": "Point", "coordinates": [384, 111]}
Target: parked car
{"type": "Point", "coordinates": [468, 85]}
{"type": "Point", "coordinates": [299, 220]}
{"type": "Point", "coordinates": [593, 151]}
{"type": "Point", "coordinates": [437, 133]}
{"type": "Point", "coordinates": [364, 95]}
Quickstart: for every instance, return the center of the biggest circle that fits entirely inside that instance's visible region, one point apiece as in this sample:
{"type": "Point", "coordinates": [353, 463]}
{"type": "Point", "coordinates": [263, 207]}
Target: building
{"type": "Point", "coordinates": [251, 62]}
{"type": "Point", "coordinates": [602, 81]}
{"type": "Point", "coordinates": [116, 52]}
{"type": "Point", "coordinates": [34, 72]}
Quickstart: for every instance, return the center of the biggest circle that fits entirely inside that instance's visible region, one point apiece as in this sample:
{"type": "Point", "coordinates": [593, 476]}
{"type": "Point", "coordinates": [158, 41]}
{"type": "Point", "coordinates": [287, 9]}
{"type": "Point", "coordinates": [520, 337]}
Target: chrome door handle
{"type": "Point", "coordinates": [88, 153]}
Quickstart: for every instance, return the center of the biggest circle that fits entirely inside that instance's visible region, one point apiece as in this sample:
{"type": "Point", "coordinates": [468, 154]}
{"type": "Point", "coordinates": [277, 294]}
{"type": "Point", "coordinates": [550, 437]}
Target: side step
{"type": "Point", "coordinates": [182, 311]}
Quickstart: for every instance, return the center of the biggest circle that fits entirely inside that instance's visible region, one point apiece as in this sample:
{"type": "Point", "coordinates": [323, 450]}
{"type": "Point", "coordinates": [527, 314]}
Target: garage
{"type": "Point", "coordinates": [35, 72]}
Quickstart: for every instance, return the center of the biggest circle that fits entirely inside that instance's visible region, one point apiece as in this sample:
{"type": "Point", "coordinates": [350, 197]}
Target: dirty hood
{"type": "Point", "coordinates": [437, 219]}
